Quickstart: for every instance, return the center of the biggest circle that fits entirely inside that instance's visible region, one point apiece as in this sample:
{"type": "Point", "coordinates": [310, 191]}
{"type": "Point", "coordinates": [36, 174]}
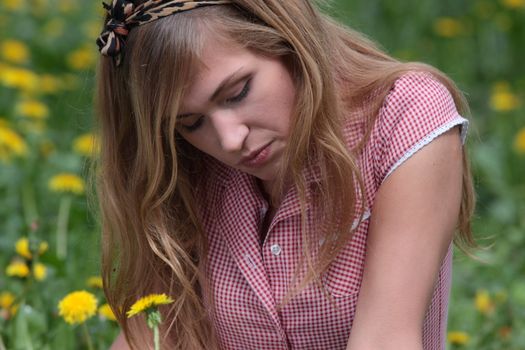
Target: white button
{"type": "Point", "coordinates": [275, 249]}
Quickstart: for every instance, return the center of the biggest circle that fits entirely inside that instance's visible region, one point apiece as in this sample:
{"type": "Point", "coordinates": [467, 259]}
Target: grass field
{"type": "Point", "coordinates": [49, 246]}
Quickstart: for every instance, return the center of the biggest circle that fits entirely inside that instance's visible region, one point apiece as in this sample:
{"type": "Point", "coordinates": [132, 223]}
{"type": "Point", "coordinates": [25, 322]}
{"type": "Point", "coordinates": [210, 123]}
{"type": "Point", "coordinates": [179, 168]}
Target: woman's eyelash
{"type": "Point", "coordinates": [242, 94]}
{"type": "Point", "coordinates": [234, 99]}
{"type": "Point", "coordinates": [195, 125]}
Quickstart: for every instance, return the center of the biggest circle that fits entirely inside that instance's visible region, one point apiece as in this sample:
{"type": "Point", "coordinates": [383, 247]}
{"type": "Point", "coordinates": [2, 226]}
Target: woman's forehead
{"type": "Point", "coordinates": [218, 62]}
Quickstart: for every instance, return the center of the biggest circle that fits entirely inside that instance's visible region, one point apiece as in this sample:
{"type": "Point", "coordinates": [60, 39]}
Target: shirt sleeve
{"type": "Point", "coordinates": [418, 109]}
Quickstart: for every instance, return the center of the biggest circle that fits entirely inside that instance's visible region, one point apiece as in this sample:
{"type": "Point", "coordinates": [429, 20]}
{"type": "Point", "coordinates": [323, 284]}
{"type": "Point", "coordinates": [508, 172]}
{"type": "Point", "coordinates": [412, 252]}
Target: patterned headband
{"type": "Point", "coordinates": [124, 15]}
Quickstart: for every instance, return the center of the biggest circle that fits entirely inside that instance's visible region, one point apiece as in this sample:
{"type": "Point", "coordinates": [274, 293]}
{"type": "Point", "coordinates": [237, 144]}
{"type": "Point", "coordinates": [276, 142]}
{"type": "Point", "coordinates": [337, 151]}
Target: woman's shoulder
{"type": "Point", "coordinates": [417, 89]}
{"type": "Point", "coordinates": [417, 103]}
{"type": "Point", "coordinates": [415, 95]}
{"type": "Point", "coordinates": [417, 109]}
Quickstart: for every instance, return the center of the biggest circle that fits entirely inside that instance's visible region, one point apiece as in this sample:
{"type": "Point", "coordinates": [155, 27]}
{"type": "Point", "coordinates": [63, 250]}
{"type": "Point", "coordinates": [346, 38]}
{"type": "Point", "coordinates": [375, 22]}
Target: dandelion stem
{"type": "Point", "coordinates": [156, 338]}
{"type": "Point", "coordinates": [62, 220]}
{"type": "Point", "coordinates": [2, 346]}
{"type": "Point", "coordinates": [29, 203]}
{"type": "Point", "coordinates": [87, 336]}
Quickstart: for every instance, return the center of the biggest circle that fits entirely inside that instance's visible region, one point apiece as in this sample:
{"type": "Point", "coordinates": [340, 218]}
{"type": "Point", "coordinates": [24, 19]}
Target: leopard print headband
{"type": "Point", "coordinates": [124, 15]}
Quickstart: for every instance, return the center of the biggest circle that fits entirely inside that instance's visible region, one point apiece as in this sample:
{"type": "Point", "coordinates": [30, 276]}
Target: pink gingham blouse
{"type": "Point", "coordinates": [246, 279]}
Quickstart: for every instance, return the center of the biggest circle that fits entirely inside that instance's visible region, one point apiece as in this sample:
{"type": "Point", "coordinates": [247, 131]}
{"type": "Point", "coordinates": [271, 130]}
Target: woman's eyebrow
{"type": "Point", "coordinates": [232, 79]}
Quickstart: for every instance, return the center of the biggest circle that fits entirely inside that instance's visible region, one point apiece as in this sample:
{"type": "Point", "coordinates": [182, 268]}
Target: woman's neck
{"type": "Point", "coordinates": [270, 192]}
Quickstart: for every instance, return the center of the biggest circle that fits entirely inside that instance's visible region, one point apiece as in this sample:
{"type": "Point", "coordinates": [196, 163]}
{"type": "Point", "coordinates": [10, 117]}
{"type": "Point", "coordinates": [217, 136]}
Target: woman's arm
{"type": "Point", "coordinates": [120, 343]}
{"type": "Point", "coordinates": [412, 224]}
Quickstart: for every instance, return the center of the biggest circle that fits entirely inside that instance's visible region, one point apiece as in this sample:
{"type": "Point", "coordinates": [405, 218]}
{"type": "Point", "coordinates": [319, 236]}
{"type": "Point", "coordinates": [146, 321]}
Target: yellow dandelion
{"type": "Point", "coordinates": [70, 81]}
{"type": "Point", "coordinates": [483, 302]}
{"type": "Point", "coordinates": [86, 144]}
{"type": "Point", "coordinates": [14, 309]}
{"type": "Point", "coordinates": [66, 182]}
{"type": "Point", "coordinates": [66, 6]}
{"type": "Point", "coordinates": [519, 141]}
{"type": "Point", "coordinates": [32, 126]}
{"type": "Point", "coordinates": [77, 307]}
{"type": "Point", "coordinates": [40, 8]}
{"type": "Point", "coordinates": [13, 5]}
{"type": "Point", "coordinates": [91, 29]}
{"type": "Point", "coordinates": [11, 144]}
{"type": "Point", "coordinates": [7, 300]}
{"type": "Point", "coordinates": [3, 68]}
{"type": "Point", "coordinates": [18, 78]}
{"type": "Point", "coordinates": [148, 302]}
{"type": "Point", "coordinates": [14, 51]}
{"type": "Point", "coordinates": [46, 147]}
{"type": "Point", "coordinates": [448, 27]}
{"type": "Point", "coordinates": [49, 84]}
{"type": "Point", "coordinates": [502, 98]}
{"type": "Point", "coordinates": [39, 271]}
{"type": "Point", "coordinates": [94, 282]}
{"type": "Point", "coordinates": [514, 4]}
{"type": "Point", "coordinates": [106, 312]}
{"type": "Point", "coordinates": [32, 109]}
{"type": "Point", "coordinates": [503, 21]}
{"type": "Point", "coordinates": [22, 248]}
{"type": "Point", "coordinates": [54, 28]}
{"type": "Point", "coordinates": [42, 247]}
{"type": "Point", "coordinates": [82, 58]}
{"type": "Point", "coordinates": [458, 338]}
{"type": "Point", "coordinates": [501, 296]}
{"type": "Point", "coordinates": [17, 269]}
{"type": "Point", "coordinates": [484, 9]}
{"type": "Point", "coordinates": [8, 307]}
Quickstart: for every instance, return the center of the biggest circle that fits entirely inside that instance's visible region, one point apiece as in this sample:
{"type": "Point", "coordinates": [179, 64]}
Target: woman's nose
{"type": "Point", "coordinates": [231, 130]}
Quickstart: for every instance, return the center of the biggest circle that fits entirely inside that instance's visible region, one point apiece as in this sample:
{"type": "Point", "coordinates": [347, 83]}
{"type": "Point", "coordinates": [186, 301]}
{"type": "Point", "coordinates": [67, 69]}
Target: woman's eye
{"type": "Point", "coordinates": [195, 125]}
{"type": "Point", "coordinates": [242, 94]}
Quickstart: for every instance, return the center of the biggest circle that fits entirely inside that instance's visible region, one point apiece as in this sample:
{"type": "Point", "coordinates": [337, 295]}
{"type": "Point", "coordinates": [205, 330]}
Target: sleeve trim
{"type": "Point", "coordinates": [357, 222]}
{"type": "Point", "coordinates": [427, 139]}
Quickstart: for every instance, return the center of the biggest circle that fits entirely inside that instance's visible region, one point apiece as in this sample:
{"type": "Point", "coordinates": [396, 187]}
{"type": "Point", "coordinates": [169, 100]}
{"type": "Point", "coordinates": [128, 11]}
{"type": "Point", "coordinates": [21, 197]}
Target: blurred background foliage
{"type": "Point", "coordinates": [50, 242]}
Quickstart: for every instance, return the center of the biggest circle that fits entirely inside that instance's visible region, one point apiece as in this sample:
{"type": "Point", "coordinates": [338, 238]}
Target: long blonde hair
{"type": "Point", "coordinates": [152, 237]}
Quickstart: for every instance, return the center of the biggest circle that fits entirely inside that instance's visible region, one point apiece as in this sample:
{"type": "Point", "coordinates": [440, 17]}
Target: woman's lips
{"type": "Point", "coordinates": [257, 158]}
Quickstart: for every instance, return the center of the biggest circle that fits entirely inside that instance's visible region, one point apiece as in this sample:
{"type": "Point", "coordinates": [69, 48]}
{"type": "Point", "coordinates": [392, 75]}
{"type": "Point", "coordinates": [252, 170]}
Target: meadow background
{"type": "Point", "coordinates": [49, 244]}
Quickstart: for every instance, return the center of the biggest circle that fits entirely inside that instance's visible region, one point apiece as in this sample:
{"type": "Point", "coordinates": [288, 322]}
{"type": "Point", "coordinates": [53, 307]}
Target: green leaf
{"type": "Point", "coordinates": [63, 337]}
{"type": "Point", "coordinates": [22, 338]}
{"type": "Point", "coordinates": [518, 293]}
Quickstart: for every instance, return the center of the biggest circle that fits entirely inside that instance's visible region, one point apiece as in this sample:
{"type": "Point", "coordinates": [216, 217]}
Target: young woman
{"type": "Point", "coordinates": [287, 183]}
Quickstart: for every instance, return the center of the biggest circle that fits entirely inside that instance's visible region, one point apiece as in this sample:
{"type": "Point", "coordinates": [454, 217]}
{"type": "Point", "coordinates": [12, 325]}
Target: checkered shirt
{"type": "Point", "coordinates": [248, 279]}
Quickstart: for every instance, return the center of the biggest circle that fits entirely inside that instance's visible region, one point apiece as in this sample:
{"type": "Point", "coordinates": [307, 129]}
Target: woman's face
{"type": "Point", "coordinates": [238, 109]}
